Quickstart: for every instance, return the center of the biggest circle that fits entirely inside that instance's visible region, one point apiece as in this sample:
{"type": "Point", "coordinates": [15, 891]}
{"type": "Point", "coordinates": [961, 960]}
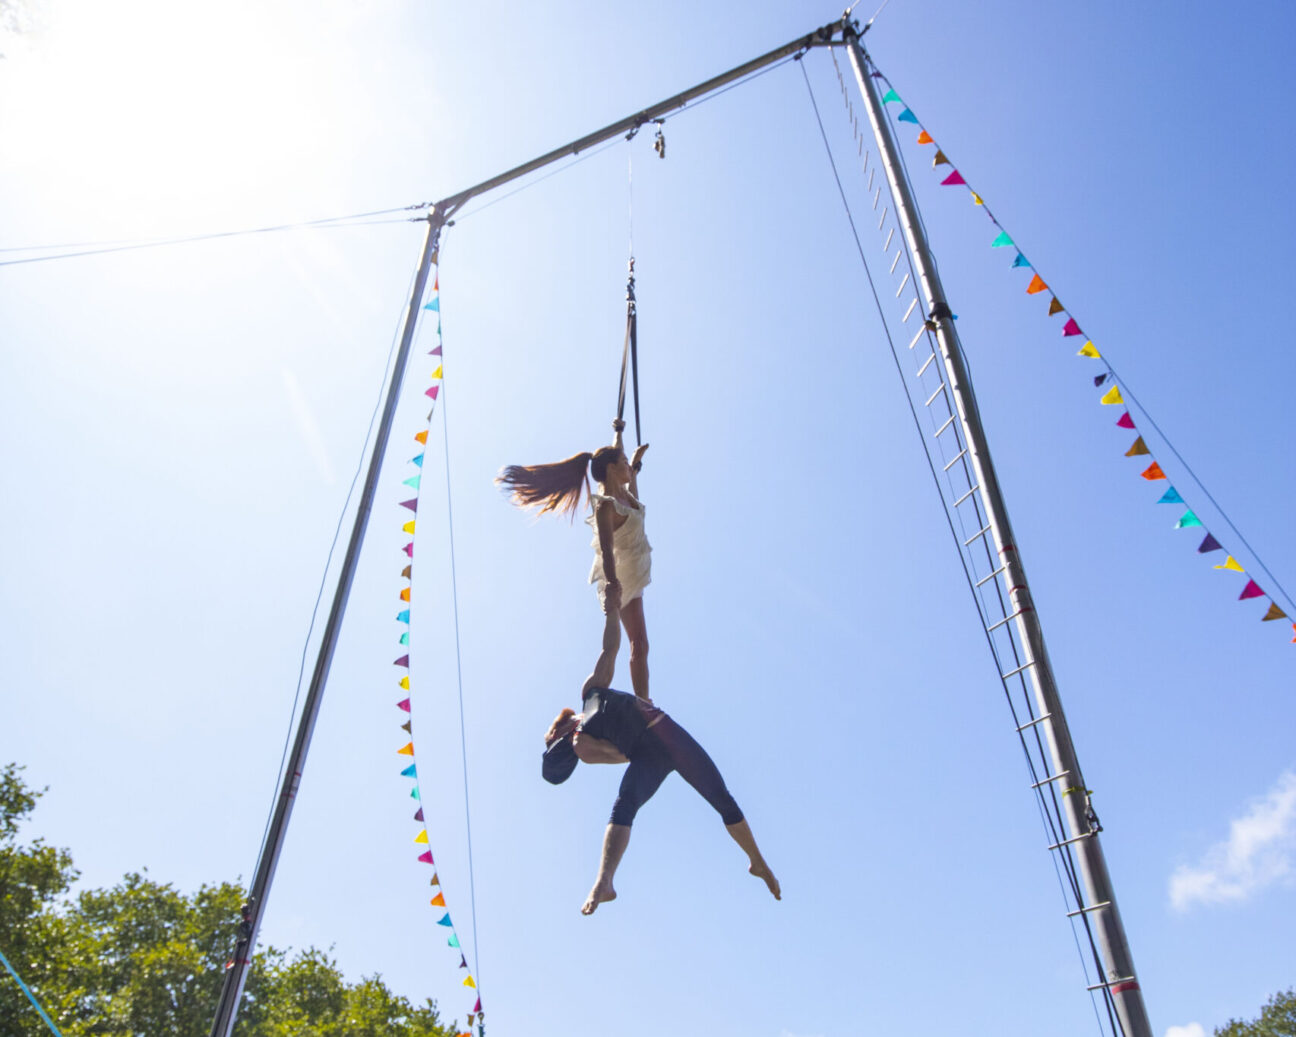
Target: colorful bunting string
{"type": "Point", "coordinates": [414, 482]}
{"type": "Point", "coordinates": [1071, 329]}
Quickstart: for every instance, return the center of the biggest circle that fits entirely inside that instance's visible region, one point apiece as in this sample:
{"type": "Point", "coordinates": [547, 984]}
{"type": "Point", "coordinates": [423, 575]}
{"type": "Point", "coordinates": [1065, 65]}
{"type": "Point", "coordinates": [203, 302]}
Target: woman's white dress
{"type": "Point", "coordinates": [630, 550]}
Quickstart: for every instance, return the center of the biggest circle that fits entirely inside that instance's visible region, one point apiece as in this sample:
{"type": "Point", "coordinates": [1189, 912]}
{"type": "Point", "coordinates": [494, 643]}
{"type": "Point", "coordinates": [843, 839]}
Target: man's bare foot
{"type": "Point", "coordinates": [600, 894]}
{"type": "Point", "coordinates": [762, 872]}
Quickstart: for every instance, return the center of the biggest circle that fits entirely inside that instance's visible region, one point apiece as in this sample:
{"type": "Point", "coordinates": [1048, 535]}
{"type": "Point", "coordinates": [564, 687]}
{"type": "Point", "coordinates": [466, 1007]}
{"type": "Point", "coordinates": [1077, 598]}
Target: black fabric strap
{"type": "Point", "coordinates": [630, 356]}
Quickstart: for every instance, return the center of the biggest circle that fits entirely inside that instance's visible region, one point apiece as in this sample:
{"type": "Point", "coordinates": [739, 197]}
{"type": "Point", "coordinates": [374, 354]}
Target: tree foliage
{"type": "Point", "coordinates": [144, 958]}
{"type": "Point", "coordinates": [1277, 1019]}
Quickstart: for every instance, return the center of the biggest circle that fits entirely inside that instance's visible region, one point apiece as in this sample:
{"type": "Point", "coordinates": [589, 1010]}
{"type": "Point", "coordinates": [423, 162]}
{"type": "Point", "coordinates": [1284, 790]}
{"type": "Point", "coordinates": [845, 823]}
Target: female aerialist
{"type": "Point", "coordinates": [618, 728]}
{"type": "Point", "coordinates": [622, 555]}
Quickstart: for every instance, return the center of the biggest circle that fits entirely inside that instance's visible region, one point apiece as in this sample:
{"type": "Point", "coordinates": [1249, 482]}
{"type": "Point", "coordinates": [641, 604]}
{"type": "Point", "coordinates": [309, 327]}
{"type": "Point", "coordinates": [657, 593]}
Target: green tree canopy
{"type": "Point", "coordinates": [1277, 1019]}
{"type": "Point", "coordinates": [144, 958]}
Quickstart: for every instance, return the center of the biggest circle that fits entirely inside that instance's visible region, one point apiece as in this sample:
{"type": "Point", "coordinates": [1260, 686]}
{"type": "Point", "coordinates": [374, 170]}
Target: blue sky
{"type": "Point", "coordinates": [180, 426]}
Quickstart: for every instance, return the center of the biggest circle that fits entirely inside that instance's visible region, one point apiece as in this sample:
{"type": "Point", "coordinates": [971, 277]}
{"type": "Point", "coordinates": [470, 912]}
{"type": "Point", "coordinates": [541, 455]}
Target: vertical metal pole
{"type": "Point", "coordinates": [237, 968]}
{"type": "Point", "coordinates": [1119, 978]}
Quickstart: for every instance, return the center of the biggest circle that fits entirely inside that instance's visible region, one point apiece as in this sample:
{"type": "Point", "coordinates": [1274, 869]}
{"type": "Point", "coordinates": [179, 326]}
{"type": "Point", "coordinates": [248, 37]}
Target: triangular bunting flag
{"type": "Point", "coordinates": [408, 727]}
{"type": "Point", "coordinates": [421, 837]}
{"type": "Point", "coordinates": [421, 437]}
{"type": "Point", "coordinates": [408, 527]}
{"type": "Point", "coordinates": [434, 305]}
{"type": "Point", "coordinates": [1036, 285]}
{"type": "Point", "coordinates": [1002, 240]}
{"type": "Point", "coordinates": [435, 880]}
{"type": "Point", "coordinates": [907, 116]}
{"type": "Point", "coordinates": [404, 683]}
{"type": "Point", "coordinates": [404, 638]}
{"type": "Point", "coordinates": [1153, 472]}
{"type": "Point", "coordinates": [1231, 563]}
{"type": "Point", "coordinates": [1112, 395]}
{"type": "Point", "coordinates": [435, 352]}
{"type": "Point", "coordinates": [426, 857]}
{"type": "Point", "coordinates": [1071, 328]}
{"type": "Point", "coordinates": [438, 900]}
{"type": "Point", "coordinates": [976, 198]}
{"type": "Point", "coordinates": [405, 594]}
{"type": "Point", "coordinates": [1171, 496]}
{"type": "Point", "coordinates": [1088, 350]}
{"type": "Point", "coordinates": [403, 704]}
{"type": "Point", "coordinates": [1099, 379]}
{"type": "Point", "coordinates": [409, 772]}
{"type": "Point", "coordinates": [414, 794]}
{"type": "Point", "coordinates": [409, 549]}
{"type": "Point", "coordinates": [445, 920]}
{"type": "Point", "coordinates": [1125, 421]}
{"type": "Point", "coordinates": [437, 373]}
{"type": "Point", "coordinates": [1251, 590]}
{"type": "Point", "coordinates": [406, 750]}
{"type": "Point", "coordinates": [417, 460]}
{"type": "Point", "coordinates": [453, 941]}
{"type": "Point", "coordinates": [1140, 447]}
{"type": "Point", "coordinates": [890, 96]}
{"type": "Point", "coordinates": [924, 137]}
{"type": "Point", "coordinates": [406, 572]}
{"type": "Point", "coordinates": [413, 481]}
{"type": "Point", "coordinates": [477, 1006]}
{"type": "Point", "coordinates": [1209, 544]}
{"type": "Point", "coordinates": [432, 391]}
{"type": "Point", "coordinates": [940, 159]}
{"type": "Point", "coordinates": [412, 504]}
{"type": "Point", "coordinates": [436, 283]}
{"type": "Point", "coordinates": [402, 661]}
{"type": "Point", "coordinates": [1020, 261]}
{"type": "Point", "coordinates": [419, 815]}
{"type": "Point", "coordinates": [402, 617]}
{"type": "Point", "coordinates": [1274, 613]}
{"type": "Point", "coordinates": [468, 982]}
{"type": "Point", "coordinates": [1187, 521]}
{"type": "Point", "coordinates": [1055, 306]}
{"type": "Point", "coordinates": [953, 180]}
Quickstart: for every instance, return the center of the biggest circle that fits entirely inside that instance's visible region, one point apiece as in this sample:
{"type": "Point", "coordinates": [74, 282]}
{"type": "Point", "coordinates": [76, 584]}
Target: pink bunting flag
{"type": "Point", "coordinates": [409, 549]}
{"type": "Point", "coordinates": [1071, 328]}
{"type": "Point", "coordinates": [402, 661]}
{"type": "Point", "coordinates": [477, 1006]}
{"type": "Point", "coordinates": [953, 179]}
{"type": "Point", "coordinates": [435, 352]}
{"type": "Point", "coordinates": [1251, 590]}
{"type": "Point", "coordinates": [433, 391]}
{"type": "Point", "coordinates": [412, 504]}
{"type": "Point", "coordinates": [426, 857]}
{"type": "Point", "coordinates": [1125, 421]}
{"type": "Point", "coordinates": [403, 704]}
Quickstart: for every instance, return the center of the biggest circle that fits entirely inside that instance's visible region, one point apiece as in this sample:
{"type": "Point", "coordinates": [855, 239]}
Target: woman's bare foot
{"type": "Point", "coordinates": [762, 871]}
{"type": "Point", "coordinates": [601, 894]}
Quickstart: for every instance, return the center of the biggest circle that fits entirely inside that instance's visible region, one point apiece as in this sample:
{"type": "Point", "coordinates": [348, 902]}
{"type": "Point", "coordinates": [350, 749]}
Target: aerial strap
{"type": "Point", "coordinates": [630, 355]}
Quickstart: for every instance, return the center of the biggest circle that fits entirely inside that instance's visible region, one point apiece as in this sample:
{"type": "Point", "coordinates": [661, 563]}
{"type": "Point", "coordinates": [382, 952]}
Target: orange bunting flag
{"type": "Point", "coordinates": [1139, 447]}
{"type": "Point", "coordinates": [1055, 306]}
{"type": "Point", "coordinates": [1293, 640]}
{"type": "Point", "coordinates": [1231, 563]}
{"type": "Point", "coordinates": [1036, 286]}
{"type": "Point", "coordinates": [1088, 350]}
{"type": "Point", "coordinates": [1153, 472]}
{"type": "Point", "coordinates": [408, 750]}
{"type": "Point", "coordinates": [924, 137]}
{"type": "Point", "coordinates": [438, 900]}
{"type": "Point", "coordinates": [1112, 395]}
{"type": "Point", "coordinates": [404, 594]}
{"type": "Point", "coordinates": [1274, 613]}
{"type": "Point", "coordinates": [422, 436]}
{"type": "Point", "coordinates": [940, 159]}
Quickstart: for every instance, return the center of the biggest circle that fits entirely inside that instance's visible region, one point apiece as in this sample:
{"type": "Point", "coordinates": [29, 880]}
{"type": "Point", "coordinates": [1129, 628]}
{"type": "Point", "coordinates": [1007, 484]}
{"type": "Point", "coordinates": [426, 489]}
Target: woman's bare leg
{"type": "Point", "coordinates": [615, 840]}
{"type": "Point", "coordinates": [742, 835]}
{"type": "Point", "coordinates": [632, 618]}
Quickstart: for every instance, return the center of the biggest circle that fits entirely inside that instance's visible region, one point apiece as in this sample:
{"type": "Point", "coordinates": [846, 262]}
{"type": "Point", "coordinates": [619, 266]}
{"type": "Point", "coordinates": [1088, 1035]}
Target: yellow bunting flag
{"type": "Point", "coordinates": [438, 900]}
{"type": "Point", "coordinates": [468, 982]}
{"type": "Point", "coordinates": [1153, 472]}
{"type": "Point", "coordinates": [404, 683]}
{"type": "Point", "coordinates": [1112, 395]}
{"type": "Point", "coordinates": [1274, 613]}
{"type": "Point", "coordinates": [408, 527]}
{"type": "Point", "coordinates": [1231, 563]}
{"type": "Point", "coordinates": [408, 750]}
{"type": "Point", "coordinates": [1055, 306]}
{"type": "Point", "coordinates": [940, 159]}
{"type": "Point", "coordinates": [976, 199]}
{"type": "Point", "coordinates": [1088, 350]}
{"type": "Point", "coordinates": [437, 372]}
{"type": "Point", "coordinates": [1036, 286]}
{"type": "Point", "coordinates": [1139, 447]}
{"type": "Point", "coordinates": [421, 837]}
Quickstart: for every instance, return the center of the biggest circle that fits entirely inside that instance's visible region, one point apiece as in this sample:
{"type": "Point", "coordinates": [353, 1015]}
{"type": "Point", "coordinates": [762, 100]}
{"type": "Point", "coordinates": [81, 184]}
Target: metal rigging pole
{"type": "Point", "coordinates": [1119, 980]}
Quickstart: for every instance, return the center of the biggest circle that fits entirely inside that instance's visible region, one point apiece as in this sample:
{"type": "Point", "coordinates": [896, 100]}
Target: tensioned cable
{"type": "Point", "coordinates": [931, 466]}
{"type": "Point", "coordinates": [30, 996]}
{"type": "Point", "coordinates": [130, 246]}
{"type": "Point", "coordinates": [319, 594]}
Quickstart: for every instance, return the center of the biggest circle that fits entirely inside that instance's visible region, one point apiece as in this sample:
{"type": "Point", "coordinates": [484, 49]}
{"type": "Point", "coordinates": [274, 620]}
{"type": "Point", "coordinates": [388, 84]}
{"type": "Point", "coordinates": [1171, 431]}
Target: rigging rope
{"type": "Point", "coordinates": [30, 996]}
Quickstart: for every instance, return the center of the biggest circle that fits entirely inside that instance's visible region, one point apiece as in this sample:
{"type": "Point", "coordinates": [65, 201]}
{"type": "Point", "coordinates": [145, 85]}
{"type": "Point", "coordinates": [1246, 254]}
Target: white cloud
{"type": "Point", "coordinates": [1191, 1030]}
{"type": "Point", "coordinates": [1259, 852]}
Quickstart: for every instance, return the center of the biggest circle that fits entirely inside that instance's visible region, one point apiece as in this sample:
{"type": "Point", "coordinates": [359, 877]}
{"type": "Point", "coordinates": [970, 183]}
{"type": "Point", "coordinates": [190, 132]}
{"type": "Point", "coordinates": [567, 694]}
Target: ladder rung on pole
{"type": "Point", "coordinates": [1013, 673]}
{"type": "Point", "coordinates": [1091, 907]}
{"type": "Point", "coordinates": [986, 579]}
{"type": "Point", "coordinates": [923, 370]}
{"type": "Point", "coordinates": [936, 435]}
{"type": "Point", "coordinates": [885, 209]}
{"type": "Point", "coordinates": [939, 389]}
{"type": "Point", "coordinates": [966, 495]}
{"type": "Point", "coordinates": [1001, 622]}
{"type": "Point", "coordinates": [890, 235]}
{"type": "Point", "coordinates": [876, 195]}
{"type": "Point", "coordinates": [957, 457]}
{"type": "Point", "coordinates": [1051, 777]}
{"type": "Point", "coordinates": [1074, 839]}
{"type": "Point", "coordinates": [976, 536]}
{"type": "Point", "coordinates": [895, 262]}
{"type": "Point", "coordinates": [1113, 983]}
{"type": "Point", "coordinates": [1037, 720]}
{"type": "Point", "coordinates": [921, 332]}
{"type": "Point", "coordinates": [904, 281]}
{"type": "Point", "coordinates": [909, 311]}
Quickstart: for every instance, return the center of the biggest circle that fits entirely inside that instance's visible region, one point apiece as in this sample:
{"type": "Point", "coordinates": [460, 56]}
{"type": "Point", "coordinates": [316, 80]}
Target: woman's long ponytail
{"type": "Point", "coordinates": [550, 487]}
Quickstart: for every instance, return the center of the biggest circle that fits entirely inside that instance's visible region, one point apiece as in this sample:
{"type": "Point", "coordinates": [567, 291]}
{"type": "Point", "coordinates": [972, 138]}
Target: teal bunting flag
{"type": "Point", "coordinates": [414, 794]}
{"type": "Point", "coordinates": [402, 617]}
{"type": "Point", "coordinates": [404, 638]}
{"type": "Point", "coordinates": [417, 460]}
{"type": "Point", "coordinates": [1002, 240]}
{"type": "Point", "coordinates": [907, 116]}
{"type": "Point", "coordinates": [1187, 521]}
{"type": "Point", "coordinates": [446, 920]}
{"type": "Point", "coordinates": [409, 772]}
{"type": "Point", "coordinates": [453, 941]}
{"type": "Point", "coordinates": [435, 304]}
{"type": "Point", "coordinates": [891, 95]}
{"type": "Point", "coordinates": [1021, 261]}
{"type": "Point", "coordinates": [1171, 496]}
{"type": "Point", "coordinates": [413, 480]}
